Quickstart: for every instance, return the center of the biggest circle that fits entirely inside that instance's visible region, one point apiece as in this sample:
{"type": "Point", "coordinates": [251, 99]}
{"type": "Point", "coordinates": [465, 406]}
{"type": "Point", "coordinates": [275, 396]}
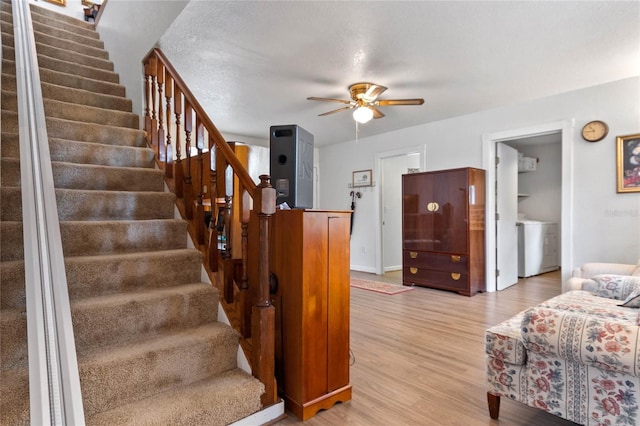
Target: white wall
{"type": "Point", "coordinates": [544, 184]}
{"type": "Point", "coordinates": [130, 30]}
{"type": "Point", "coordinates": [606, 224]}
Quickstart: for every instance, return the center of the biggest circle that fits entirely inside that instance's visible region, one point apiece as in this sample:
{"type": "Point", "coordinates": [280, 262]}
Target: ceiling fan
{"type": "Point", "coordinates": [364, 99]}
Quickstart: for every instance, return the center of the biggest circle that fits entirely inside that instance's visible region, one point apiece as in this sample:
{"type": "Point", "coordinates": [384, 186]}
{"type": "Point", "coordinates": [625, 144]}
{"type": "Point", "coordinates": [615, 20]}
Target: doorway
{"type": "Point", "coordinates": [565, 130]}
{"type": "Point", "coordinates": [390, 167]}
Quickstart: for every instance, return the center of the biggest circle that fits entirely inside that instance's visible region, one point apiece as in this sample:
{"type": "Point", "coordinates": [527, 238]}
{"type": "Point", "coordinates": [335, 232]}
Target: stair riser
{"type": "Point", "coordinates": [98, 205]}
{"type": "Point", "coordinates": [67, 35]}
{"type": "Point", "coordinates": [85, 97]}
{"type": "Point", "coordinates": [90, 177]}
{"type": "Point", "coordinates": [8, 81]}
{"type": "Point", "coordinates": [74, 57]}
{"type": "Point", "coordinates": [91, 276]}
{"type": "Point", "coordinates": [9, 100]}
{"type": "Point", "coordinates": [106, 178]}
{"type": "Point", "coordinates": [10, 146]}
{"type": "Point", "coordinates": [107, 155]}
{"type": "Point", "coordinates": [8, 68]}
{"type": "Point", "coordinates": [9, 122]}
{"type": "Point", "coordinates": [10, 172]}
{"type": "Point", "coordinates": [110, 320]}
{"type": "Point", "coordinates": [13, 339]}
{"type": "Point", "coordinates": [82, 83]}
{"type": "Point", "coordinates": [8, 39]}
{"type": "Point", "coordinates": [12, 291]}
{"type": "Point", "coordinates": [59, 21]}
{"type": "Point", "coordinates": [75, 69]}
{"type": "Point", "coordinates": [88, 238]}
{"type": "Point", "coordinates": [11, 243]}
{"type": "Point", "coordinates": [110, 381]}
{"type": "Point", "coordinates": [14, 404]}
{"type": "Point", "coordinates": [85, 132]}
{"type": "Point", "coordinates": [8, 52]}
{"type": "Point", "coordinates": [88, 114]}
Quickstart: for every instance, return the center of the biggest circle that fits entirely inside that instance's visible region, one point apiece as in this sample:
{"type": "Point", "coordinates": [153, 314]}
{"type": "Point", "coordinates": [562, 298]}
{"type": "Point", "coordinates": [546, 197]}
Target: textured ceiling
{"type": "Point", "coordinates": [253, 64]}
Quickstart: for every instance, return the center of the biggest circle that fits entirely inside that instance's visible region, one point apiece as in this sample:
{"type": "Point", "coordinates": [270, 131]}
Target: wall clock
{"type": "Point", "coordinates": [595, 131]}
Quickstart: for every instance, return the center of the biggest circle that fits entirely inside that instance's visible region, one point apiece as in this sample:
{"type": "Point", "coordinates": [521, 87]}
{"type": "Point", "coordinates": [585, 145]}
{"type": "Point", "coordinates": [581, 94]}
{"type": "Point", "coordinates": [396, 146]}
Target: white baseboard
{"type": "Point", "coordinates": [369, 269]}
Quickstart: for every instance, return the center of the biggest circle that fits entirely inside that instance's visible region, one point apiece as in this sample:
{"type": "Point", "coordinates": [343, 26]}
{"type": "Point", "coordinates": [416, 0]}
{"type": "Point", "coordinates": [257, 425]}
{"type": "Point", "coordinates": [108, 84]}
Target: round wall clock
{"type": "Point", "coordinates": [595, 131]}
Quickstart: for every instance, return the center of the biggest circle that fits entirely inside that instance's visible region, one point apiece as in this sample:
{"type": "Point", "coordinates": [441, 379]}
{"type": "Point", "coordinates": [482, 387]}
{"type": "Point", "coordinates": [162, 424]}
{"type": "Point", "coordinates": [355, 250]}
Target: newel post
{"type": "Point", "coordinates": [263, 312]}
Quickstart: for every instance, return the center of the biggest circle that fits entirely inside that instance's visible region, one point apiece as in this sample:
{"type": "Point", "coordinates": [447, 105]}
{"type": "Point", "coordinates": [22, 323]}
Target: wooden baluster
{"type": "Point", "coordinates": [188, 186]}
{"type": "Point", "coordinates": [228, 216]}
{"type": "Point", "coordinates": [243, 297]}
{"type": "Point", "coordinates": [153, 66]}
{"type": "Point", "coordinates": [147, 107]}
{"type": "Point", "coordinates": [168, 94]}
{"type": "Point", "coordinates": [179, 168]}
{"type": "Point", "coordinates": [162, 156]}
{"type": "Point", "coordinates": [199, 216]}
{"type": "Point", "coordinates": [263, 313]}
{"type": "Point", "coordinates": [213, 194]}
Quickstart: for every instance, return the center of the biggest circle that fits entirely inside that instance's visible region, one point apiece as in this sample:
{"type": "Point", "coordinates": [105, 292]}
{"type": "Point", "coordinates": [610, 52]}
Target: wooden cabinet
{"type": "Point", "coordinates": [310, 259]}
{"type": "Point", "coordinates": [443, 230]}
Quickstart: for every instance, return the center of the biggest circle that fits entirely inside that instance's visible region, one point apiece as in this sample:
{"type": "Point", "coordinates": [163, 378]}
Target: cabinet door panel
{"type": "Point", "coordinates": [450, 220]}
{"type": "Point", "coordinates": [417, 221]}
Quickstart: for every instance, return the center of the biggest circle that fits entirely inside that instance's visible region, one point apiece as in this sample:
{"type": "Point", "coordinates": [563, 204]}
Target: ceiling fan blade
{"type": "Point", "coordinates": [373, 92]}
{"type": "Point", "coordinates": [342, 101]}
{"type": "Point", "coordinates": [335, 110]}
{"type": "Point", "coordinates": [391, 102]}
{"type": "Point", "coordinates": [376, 112]}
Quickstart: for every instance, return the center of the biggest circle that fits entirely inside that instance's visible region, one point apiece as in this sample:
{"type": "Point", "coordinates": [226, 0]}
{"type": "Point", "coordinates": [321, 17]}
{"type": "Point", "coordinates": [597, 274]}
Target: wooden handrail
{"type": "Point", "coordinates": [244, 282]}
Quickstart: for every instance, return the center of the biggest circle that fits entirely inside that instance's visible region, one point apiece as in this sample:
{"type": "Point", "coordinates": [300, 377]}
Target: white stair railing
{"type": "Point", "coordinates": [54, 382]}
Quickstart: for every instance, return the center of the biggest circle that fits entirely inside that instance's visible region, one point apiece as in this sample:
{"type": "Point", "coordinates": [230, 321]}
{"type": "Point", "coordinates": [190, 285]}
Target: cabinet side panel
{"type": "Point", "coordinates": [339, 292]}
{"type": "Point", "coordinates": [315, 300]}
{"type": "Point", "coordinates": [477, 271]}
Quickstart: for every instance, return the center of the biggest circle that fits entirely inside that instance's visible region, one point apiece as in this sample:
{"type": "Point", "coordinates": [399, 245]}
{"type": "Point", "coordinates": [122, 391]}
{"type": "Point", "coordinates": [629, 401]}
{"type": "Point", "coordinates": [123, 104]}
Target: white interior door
{"type": "Point", "coordinates": [392, 170]}
{"type": "Point", "coordinates": [507, 210]}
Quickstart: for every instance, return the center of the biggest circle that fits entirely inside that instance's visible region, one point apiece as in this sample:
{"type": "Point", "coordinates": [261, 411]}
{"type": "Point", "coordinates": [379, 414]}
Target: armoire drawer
{"type": "Point", "coordinates": [439, 262]}
{"type": "Point", "coordinates": [412, 275]}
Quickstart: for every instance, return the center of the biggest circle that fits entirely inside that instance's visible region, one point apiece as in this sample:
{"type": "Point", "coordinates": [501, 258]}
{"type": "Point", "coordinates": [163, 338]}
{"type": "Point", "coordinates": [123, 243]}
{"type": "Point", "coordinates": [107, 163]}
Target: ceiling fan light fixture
{"type": "Point", "coordinates": [363, 114]}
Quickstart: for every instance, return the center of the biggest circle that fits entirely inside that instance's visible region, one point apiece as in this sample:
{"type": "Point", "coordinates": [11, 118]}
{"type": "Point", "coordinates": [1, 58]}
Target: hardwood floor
{"type": "Point", "coordinates": [418, 357]}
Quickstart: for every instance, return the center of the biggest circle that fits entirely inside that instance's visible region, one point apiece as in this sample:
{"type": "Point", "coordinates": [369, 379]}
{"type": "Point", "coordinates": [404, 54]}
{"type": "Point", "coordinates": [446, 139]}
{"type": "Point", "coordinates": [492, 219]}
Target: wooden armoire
{"type": "Point", "coordinates": [443, 230]}
{"type": "Point", "coordinates": [310, 261]}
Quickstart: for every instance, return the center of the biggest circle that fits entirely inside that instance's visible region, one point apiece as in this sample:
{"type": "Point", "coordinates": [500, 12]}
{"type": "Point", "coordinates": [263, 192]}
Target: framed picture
{"type": "Point", "coordinates": [628, 160]}
{"type": "Point", "coordinates": [362, 178]}
{"type": "Point", "coordinates": [58, 2]}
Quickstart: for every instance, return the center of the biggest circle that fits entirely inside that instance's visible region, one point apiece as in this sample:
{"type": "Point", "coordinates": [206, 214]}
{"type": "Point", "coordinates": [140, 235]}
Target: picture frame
{"type": "Point", "coordinates": [628, 163]}
{"type": "Point", "coordinates": [62, 3]}
{"type": "Point", "coordinates": [361, 178]}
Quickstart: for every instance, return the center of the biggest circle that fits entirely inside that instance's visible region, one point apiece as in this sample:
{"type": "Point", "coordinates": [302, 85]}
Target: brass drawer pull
{"type": "Point", "coordinates": [455, 258]}
{"type": "Point", "coordinates": [413, 270]}
{"type": "Point", "coordinates": [455, 276]}
{"type": "Point", "coordinates": [413, 254]}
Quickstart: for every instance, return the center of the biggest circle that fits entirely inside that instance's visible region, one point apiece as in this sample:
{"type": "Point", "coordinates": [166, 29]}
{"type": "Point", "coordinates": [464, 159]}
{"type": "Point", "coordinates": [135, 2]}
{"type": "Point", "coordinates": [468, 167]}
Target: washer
{"type": "Point", "coordinates": [537, 247]}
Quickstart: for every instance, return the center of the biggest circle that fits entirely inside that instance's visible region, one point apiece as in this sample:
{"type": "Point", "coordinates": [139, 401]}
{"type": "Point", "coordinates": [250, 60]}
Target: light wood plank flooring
{"type": "Point", "coordinates": [419, 357]}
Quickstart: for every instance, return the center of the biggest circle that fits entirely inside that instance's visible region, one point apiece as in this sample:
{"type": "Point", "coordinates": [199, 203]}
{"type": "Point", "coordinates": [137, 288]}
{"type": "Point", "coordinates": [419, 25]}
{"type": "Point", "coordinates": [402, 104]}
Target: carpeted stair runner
{"type": "Point", "coordinates": [150, 349]}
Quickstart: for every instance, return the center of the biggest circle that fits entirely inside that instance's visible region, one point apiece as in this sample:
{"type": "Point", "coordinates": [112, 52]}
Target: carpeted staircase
{"type": "Point", "coordinates": [150, 349]}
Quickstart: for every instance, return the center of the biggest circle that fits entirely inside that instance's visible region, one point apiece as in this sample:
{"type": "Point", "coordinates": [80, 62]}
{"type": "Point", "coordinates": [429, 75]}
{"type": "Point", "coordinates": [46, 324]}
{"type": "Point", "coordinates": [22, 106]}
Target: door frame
{"type": "Point", "coordinates": [380, 156]}
{"type": "Point", "coordinates": [489, 141]}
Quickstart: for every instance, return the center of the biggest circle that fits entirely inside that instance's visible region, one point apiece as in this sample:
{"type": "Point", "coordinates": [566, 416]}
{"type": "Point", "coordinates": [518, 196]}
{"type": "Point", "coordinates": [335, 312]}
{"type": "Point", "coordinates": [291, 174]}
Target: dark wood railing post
{"type": "Point", "coordinates": [199, 216]}
{"type": "Point", "coordinates": [178, 172]}
{"type": "Point", "coordinates": [244, 299]}
{"type": "Point", "coordinates": [213, 194]}
{"type": "Point", "coordinates": [162, 156]}
{"type": "Point", "coordinates": [168, 93]}
{"type": "Point", "coordinates": [188, 185]}
{"type": "Point", "coordinates": [153, 62]}
{"type": "Point", "coordinates": [147, 96]}
{"type": "Point", "coordinates": [263, 312]}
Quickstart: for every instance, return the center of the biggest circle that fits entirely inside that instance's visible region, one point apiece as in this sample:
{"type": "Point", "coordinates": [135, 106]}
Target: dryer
{"type": "Point", "coordinates": [537, 247]}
